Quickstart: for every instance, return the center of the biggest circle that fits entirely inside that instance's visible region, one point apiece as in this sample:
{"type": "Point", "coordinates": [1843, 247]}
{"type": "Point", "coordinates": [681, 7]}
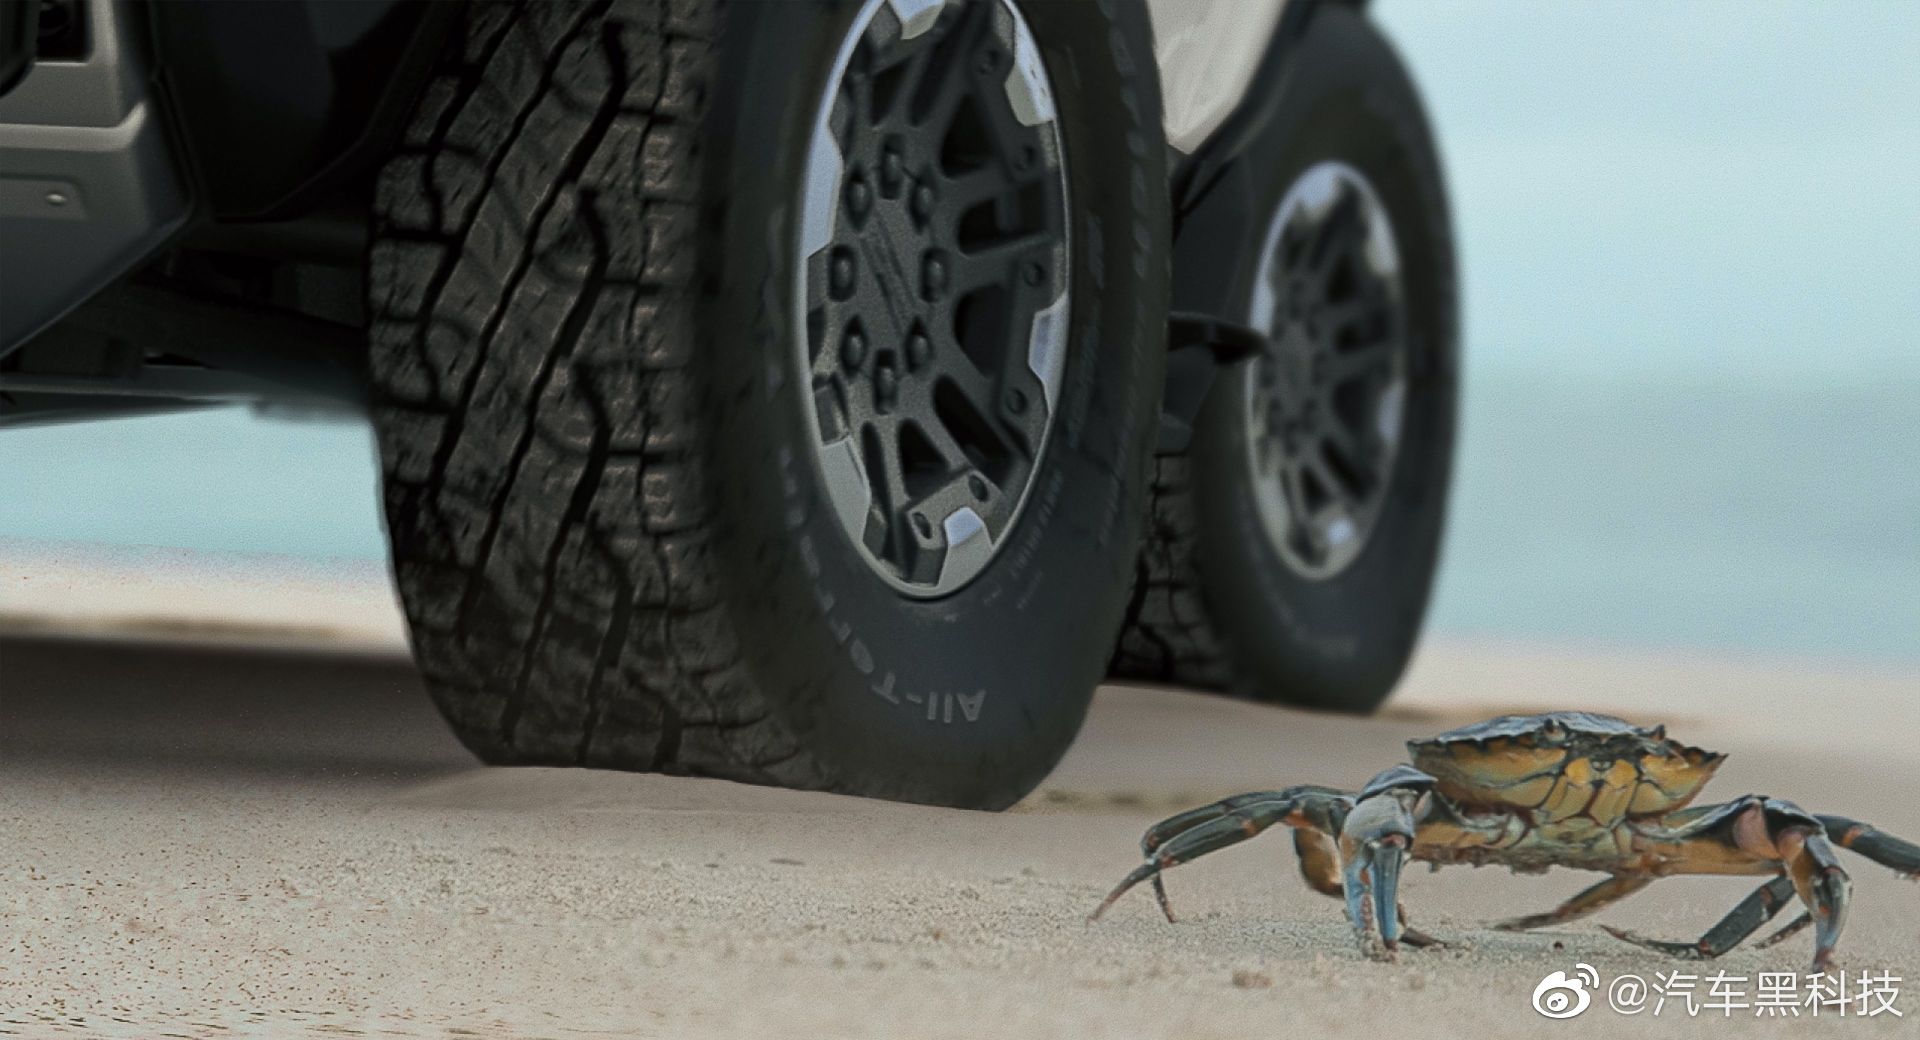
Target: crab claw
{"type": "Point", "coordinates": [1373, 844]}
{"type": "Point", "coordinates": [1372, 889]}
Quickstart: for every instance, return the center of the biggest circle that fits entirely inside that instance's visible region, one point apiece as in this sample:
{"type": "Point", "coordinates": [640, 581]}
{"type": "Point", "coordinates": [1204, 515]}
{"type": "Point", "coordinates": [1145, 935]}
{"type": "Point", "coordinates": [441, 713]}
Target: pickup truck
{"type": "Point", "coordinates": [827, 394]}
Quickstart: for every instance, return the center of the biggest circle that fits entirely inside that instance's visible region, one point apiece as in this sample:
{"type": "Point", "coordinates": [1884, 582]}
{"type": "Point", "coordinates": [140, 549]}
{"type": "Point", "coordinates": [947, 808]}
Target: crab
{"type": "Point", "coordinates": [1532, 792]}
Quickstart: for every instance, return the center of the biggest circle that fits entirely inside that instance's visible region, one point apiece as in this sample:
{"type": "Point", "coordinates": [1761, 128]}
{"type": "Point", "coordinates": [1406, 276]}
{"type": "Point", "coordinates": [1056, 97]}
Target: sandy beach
{"type": "Point", "coordinates": [224, 829]}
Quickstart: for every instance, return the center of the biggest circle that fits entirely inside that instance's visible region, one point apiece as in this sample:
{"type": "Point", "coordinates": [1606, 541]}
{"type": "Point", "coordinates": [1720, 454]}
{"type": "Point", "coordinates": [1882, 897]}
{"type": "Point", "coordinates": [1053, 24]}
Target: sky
{"type": "Point", "coordinates": [1692, 401]}
{"type": "Point", "coordinates": [1715, 188]}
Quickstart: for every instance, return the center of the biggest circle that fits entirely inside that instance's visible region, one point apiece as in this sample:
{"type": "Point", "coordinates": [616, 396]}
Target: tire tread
{"type": "Point", "coordinates": [1167, 636]}
{"type": "Point", "coordinates": [533, 293]}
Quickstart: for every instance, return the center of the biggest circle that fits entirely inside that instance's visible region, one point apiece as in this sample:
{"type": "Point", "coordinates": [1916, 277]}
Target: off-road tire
{"type": "Point", "coordinates": [608, 542]}
{"type": "Point", "coordinates": [1214, 607]}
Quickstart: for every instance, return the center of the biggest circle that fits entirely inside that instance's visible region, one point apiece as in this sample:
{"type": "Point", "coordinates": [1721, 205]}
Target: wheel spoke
{"type": "Point", "coordinates": [1301, 510]}
{"type": "Point", "coordinates": [1295, 249]}
{"type": "Point", "coordinates": [909, 68]}
{"type": "Point", "coordinates": [1340, 493]}
{"type": "Point", "coordinates": [1366, 359]}
{"type": "Point", "coordinates": [947, 446]}
{"type": "Point", "coordinates": [945, 105]}
{"type": "Point", "coordinates": [1345, 227]}
{"type": "Point", "coordinates": [892, 494]}
{"type": "Point", "coordinates": [944, 54]}
{"type": "Point", "coordinates": [995, 264]}
{"type": "Point", "coordinates": [978, 388]}
{"type": "Point", "coordinates": [1362, 305]}
{"type": "Point", "coordinates": [1338, 437]}
{"type": "Point", "coordinates": [970, 189]}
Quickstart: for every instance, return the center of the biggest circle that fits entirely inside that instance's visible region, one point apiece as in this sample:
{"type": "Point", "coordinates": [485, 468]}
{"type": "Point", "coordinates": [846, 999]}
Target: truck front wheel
{"type": "Point", "coordinates": [768, 395]}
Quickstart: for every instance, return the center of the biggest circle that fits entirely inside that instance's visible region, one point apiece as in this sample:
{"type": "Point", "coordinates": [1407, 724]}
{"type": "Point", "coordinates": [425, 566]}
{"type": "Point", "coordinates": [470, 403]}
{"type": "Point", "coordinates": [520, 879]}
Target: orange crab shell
{"type": "Point", "coordinates": [1563, 765]}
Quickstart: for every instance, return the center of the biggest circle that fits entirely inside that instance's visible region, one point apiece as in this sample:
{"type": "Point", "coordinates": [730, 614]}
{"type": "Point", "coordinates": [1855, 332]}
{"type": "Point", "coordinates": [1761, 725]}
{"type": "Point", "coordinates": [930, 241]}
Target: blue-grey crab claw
{"type": "Point", "coordinates": [1374, 842]}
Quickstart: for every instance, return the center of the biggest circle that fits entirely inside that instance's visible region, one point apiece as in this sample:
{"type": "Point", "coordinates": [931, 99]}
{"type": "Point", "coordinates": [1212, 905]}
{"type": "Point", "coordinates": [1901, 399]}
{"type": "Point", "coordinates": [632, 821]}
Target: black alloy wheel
{"type": "Point", "coordinates": [935, 270]}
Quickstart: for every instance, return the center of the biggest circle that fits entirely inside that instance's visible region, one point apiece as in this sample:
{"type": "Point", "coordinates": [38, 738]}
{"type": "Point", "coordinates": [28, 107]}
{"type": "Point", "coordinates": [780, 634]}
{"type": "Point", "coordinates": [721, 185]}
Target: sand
{"type": "Point", "coordinates": [206, 839]}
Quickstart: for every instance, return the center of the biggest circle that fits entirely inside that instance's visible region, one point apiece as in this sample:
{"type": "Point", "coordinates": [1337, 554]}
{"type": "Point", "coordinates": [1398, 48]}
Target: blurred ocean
{"type": "Point", "coordinates": [1656, 513]}
{"type": "Point", "coordinates": [1689, 236]}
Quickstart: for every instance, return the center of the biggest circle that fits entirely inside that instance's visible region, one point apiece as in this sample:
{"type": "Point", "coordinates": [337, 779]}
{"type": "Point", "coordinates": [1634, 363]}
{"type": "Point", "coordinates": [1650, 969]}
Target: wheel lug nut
{"type": "Point", "coordinates": [923, 525]}
{"type": "Point", "coordinates": [853, 349]}
{"type": "Point", "coordinates": [978, 487]}
{"type": "Point", "coordinates": [934, 275]}
{"type": "Point", "coordinates": [885, 385]}
{"type": "Point", "coordinates": [919, 348]}
{"type": "Point", "coordinates": [892, 170]}
{"type": "Point", "coordinates": [859, 196]}
{"type": "Point", "coordinates": [840, 273]}
{"type": "Point", "coordinates": [1016, 402]}
{"type": "Point", "coordinates": [989, 60]}
{"type": "Point", "coordinates": [923, 201]}
{"type": "Point", "coordinates": [1033, 273]}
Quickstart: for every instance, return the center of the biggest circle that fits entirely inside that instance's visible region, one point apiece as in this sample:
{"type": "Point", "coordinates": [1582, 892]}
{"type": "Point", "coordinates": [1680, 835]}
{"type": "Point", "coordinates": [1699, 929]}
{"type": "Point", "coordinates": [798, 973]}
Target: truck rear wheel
{"type": "Point", "coordinates": [1293, 543]}
{"type": "Point", "coordinates": [767, 395]}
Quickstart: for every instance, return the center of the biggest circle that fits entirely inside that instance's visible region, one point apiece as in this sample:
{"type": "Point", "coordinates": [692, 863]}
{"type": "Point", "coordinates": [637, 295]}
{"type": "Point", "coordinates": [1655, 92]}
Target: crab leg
{"type": "Point", "coordinates": [1754, 834]}
{"type": "Point", "coordinates": [1319, 859]}
{"type": "Point", "coordinates": [1586, 901]}
{"type": "Point", "coordinates": [1414, 937]}
{"type": "Point", "coordinates": [1798, 925]}
{"type": "Point", "coordinates": [1179, 823]}
{"type": "Point", "coordinates": [1757, 909]}
{"type": "Point", "coordinates": [1196, 832]}
{"type": "Point", "coordinates": [1822, 885]}
{"type": "Point", "coordinates": [1875, 844]}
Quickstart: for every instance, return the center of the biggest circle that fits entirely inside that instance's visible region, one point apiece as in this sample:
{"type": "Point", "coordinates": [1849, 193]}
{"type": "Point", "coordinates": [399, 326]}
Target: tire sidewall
{"type": "Point", "coordinates": [970, 698]}
{"type": "Point", "coordinates": [1340, 642]}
